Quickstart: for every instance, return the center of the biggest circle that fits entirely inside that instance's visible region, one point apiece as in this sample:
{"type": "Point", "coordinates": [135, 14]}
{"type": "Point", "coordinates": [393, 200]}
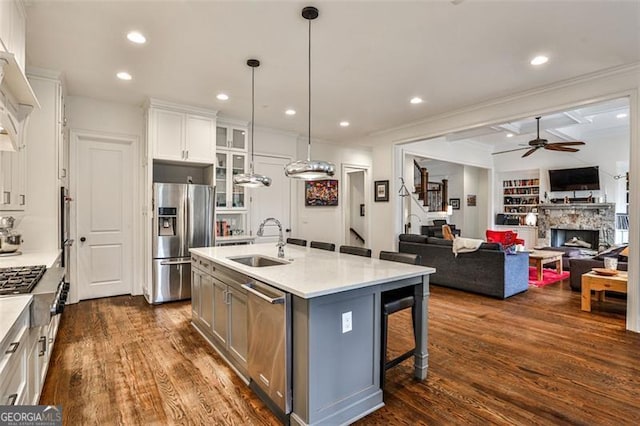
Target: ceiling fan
{"type": "Point", "coordinates": [538, 143]}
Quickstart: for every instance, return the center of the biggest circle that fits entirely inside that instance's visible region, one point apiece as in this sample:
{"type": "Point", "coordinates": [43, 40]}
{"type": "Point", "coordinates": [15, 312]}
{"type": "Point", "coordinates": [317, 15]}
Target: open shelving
{"type": "Point", "coordinates": [520, 197]}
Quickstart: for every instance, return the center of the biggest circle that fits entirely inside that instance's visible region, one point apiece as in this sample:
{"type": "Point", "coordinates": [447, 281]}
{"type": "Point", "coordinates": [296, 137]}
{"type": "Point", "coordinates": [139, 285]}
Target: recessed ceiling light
{"type": "Point", "coordinates": [509, 135]}
{"type": "Point", "coordinates": [539, 60]}
{"type": "Point", "coordinates": [136, 37]}
{"type": "Point", "coordinates": [416, 100]}
{"type": "Point", "coordinates": [290, 112]}
{"type": "Point", "coordinates": [222, 96]}
{"type": "Point", "coordinates": [123, 75]}
{"type": "Point", "coordinates": [622, 115]}
{"type": "Point", "coordinates": [344, 124]}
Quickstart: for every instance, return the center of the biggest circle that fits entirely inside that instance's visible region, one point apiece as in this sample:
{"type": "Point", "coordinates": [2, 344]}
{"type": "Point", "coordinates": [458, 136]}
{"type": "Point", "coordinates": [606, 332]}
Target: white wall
{"type": "Point", "coordinates": [117, 119]}
{"type": "Point", "coordinates": [324, 223]}
{"type": "Point", "coordinates": [475, 217]}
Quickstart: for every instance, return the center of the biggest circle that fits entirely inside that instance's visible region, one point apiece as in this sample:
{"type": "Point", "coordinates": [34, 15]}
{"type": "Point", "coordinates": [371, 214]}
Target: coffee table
{"type": "Point", "coordinates": [600, 283]}
{"type": "Point", "coordinates": [538, 258]}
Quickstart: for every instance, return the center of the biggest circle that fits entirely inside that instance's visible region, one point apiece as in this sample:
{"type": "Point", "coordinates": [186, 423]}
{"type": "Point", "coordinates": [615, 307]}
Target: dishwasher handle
{"type": "Point", "coordinates": [272, 300]}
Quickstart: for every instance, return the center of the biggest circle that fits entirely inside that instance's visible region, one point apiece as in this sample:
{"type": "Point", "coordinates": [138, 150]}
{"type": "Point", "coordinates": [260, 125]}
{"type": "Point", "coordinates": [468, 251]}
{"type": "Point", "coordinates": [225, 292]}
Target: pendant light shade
{"type": "Point", "coordinates": [251, 179]}
{"type": "Point", "coordinates": [309, 169]}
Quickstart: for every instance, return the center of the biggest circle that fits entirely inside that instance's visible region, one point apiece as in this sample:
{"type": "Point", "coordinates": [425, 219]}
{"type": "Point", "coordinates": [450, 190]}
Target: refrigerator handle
{"type": "Point", "coordinates": [187, 223]}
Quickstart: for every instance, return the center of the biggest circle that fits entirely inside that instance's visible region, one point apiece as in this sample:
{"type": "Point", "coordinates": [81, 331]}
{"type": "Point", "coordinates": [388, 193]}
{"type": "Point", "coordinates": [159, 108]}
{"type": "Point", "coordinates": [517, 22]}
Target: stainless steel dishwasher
{"type": "Point", "coordinates": [269, 354]}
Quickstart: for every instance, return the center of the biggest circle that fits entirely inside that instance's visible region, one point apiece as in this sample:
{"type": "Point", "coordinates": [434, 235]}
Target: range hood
{"type": "Point", "coordinates": [17, 100]}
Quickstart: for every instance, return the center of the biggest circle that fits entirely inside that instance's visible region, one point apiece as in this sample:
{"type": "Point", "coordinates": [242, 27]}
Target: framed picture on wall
{"type": "Point", "coordinates": [454, 203]}
{"type": "Point", "coordinates": [381, 188]}
{"type": "Point", "coordinates": [321, 193]}
{"type": "Point", "coordinates": [471, 200]}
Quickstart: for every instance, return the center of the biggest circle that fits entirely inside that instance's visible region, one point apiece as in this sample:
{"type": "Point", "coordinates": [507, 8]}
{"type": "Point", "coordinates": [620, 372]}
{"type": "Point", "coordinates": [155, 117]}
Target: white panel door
{"type": "Point", "coordinates": [274, 201]}
{"type": "Point", "coordinates": [200, 139]}
{"type": "Point", "coordinates": [104, 218]}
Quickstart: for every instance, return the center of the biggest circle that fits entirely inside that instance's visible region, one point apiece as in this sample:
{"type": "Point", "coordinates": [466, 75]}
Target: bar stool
{"type": "Point", "coordinates": [358, 251]}
{"type": "Point", "coordinates": [297, 241]}
{"type": "Point", "coordinates": [323, 246]}
{"type": "Point", "coordinates": [395, 301]}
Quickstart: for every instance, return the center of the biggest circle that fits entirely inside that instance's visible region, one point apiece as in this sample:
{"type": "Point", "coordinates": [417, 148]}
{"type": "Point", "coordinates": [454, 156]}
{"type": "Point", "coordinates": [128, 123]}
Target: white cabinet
{"type": "Point", "coordinates": [13, 179]}
{"type": "Point", "coordinates": [228, 195]}
{"type": "Point", "coordinates": [13, 361]}
{"type": "Point", "coordinates": [230, 136]}
{"type": "Point", "coordinates": [13, 29]}
{"type": "Point", "coordinates": [180, 136]}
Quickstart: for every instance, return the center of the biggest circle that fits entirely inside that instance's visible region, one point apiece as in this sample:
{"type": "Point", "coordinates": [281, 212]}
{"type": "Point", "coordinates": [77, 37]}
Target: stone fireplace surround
{"type": "Point", "coordinates": [598, 217]}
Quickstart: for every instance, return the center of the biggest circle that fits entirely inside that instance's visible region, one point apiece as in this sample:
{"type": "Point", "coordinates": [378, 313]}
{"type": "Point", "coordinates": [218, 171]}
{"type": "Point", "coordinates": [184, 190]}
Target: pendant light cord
{"type": "Point", "coordinates": [309, 141]}
{"type": "Point", "coordinates": [253, 107]}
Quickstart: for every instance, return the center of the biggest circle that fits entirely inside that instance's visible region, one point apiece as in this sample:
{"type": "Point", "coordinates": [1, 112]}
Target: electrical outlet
{"type": "Point", "coordinates": [347, 325]}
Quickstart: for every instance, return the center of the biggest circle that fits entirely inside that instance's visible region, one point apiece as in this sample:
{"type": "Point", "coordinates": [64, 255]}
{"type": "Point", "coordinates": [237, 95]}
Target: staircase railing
{"type": "Point", "coordinates": [358, 236]}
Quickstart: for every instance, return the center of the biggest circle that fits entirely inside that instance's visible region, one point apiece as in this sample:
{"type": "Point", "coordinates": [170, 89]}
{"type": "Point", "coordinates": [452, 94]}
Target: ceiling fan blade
{"type": "Point", "coordinates": [509, 150]}
{"type": "Point", "coordinates": [554, 147]}
{"type": "Point", "coordinates": [568, 143]}
{"type": "Point", "coordinates": [531, 151]}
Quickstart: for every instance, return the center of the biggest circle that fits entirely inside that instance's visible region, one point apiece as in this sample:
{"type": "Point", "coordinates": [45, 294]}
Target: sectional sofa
{"type": "Point", "coordinates": [489, 271]}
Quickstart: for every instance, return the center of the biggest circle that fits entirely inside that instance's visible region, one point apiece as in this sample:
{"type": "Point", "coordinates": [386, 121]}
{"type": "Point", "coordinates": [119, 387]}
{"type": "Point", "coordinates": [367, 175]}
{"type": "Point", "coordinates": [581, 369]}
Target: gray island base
{"type": "Point", "coordinates": [333, 349]}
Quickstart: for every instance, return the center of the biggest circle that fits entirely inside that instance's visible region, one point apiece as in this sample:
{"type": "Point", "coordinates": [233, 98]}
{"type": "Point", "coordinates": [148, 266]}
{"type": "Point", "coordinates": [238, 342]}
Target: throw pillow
{"type": "Point", "coordinates": [612, 252]}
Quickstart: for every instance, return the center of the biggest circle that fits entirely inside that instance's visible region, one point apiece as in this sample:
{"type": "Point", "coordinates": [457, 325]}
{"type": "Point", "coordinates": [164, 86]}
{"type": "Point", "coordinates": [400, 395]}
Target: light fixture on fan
{"type": "Point", "coordinates": [309, 169]}
{"type": "Point", "coordinates": [252, 179]}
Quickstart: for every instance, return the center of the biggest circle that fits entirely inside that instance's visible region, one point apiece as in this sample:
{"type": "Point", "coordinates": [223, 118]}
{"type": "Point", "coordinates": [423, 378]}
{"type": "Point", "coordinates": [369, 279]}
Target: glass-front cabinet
{"type": "Point", "coordinates": [231, 137]}
{"type": "Point", "coordinates": [228, 195]}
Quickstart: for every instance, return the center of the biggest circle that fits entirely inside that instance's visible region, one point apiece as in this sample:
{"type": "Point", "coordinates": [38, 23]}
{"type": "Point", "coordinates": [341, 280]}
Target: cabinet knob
{"type": "Point", "coordinates": [83, 239]}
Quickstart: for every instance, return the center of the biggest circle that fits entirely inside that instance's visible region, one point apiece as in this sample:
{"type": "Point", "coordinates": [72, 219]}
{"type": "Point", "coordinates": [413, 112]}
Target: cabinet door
{"type": "Point", "coordinates": [6, 14]}
{"type": "Point", "coordinates": [220, 311]}
{"type": "Point", "coordinates": [221, 137]}
{"type": "Point", "coordinates": [6, 180]}
{"type": "Point", "coordinates": [199, 139]}
{"type": "Point", "coordinates": [206, 300]}
{"type": "Point", "coordinates": [168, 135]}
{"type": "Point", "coordinates": [239, 166]}
{"type": "Point", "coordinates": [18, 34]}
{"type": "Point", "coordinates": [18, 178]}
{"type": "Point", "coordinates": [221, 180]}
{"type": "Point", "coordinates": [238, 325]}
{"type": "Point", "coordinates": [195, 293]}
{"type": "Point", "coordinates": [238, 139]}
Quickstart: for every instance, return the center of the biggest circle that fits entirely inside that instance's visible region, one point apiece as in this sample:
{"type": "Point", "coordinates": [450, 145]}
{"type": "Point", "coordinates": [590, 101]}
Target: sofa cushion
{"type": "Point", "coordinates": [413, 238]}
{"type": "Point", "coordinates": [439, 241]}
{"type": "Point", "coordinates": [491, 246]}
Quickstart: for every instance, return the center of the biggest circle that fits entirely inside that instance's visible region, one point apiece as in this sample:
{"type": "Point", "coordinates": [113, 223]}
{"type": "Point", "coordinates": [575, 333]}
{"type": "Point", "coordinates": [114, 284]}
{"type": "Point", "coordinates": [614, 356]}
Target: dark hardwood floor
{"type": "Point", "coordinates": [535, 358]}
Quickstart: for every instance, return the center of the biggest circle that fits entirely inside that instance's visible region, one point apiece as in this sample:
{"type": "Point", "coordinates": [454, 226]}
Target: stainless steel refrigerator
{"type": "Point", "coordinates": [183, 218]}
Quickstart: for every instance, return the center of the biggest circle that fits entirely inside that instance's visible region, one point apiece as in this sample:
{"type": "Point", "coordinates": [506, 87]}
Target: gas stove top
{"type": "Point", "coordinates": [20, 279]}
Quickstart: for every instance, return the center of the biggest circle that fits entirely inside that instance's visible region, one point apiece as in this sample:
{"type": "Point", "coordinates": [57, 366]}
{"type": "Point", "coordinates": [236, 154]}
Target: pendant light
{"type": "Point", "coordinates": [251, 179]}
{"type": "Point", "coordinates": [309, 169]}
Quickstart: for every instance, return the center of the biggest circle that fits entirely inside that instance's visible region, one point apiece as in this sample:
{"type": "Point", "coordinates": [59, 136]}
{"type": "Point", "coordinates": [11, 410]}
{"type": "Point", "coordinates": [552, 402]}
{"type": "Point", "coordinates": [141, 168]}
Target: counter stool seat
{"type": "Point", "coordinates": [395, 301]}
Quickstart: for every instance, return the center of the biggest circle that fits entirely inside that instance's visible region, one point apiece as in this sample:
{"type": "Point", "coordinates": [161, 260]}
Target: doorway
{"type": "Point", "coordinates": [103, 185]}
{"type": "Point", "coordinates": [355, 218]}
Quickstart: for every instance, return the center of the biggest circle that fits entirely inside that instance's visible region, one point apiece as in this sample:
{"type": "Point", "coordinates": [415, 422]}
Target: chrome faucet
{"type": "Point", "coordinates": [281, 242]}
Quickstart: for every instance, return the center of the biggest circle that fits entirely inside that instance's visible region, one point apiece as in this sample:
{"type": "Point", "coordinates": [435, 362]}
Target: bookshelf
{"type": "Point", "coordinates": [520, 197]}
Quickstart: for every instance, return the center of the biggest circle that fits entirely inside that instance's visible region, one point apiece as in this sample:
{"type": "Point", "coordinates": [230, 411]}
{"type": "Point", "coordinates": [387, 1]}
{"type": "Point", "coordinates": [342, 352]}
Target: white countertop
{"type": "Point", "coordinates": [313, 272]}
{"type": "Point", "coordinates": [231, 239]}
{"type": "Point", "coordinates": [29, 258]}
{"type": "Point", "coordinates": [10, 309]}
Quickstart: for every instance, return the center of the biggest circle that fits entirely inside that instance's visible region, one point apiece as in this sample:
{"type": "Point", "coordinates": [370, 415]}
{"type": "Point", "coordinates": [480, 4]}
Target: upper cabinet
{"type": "Point", "coordinates": [13, 29]}
{"type": "Point", "coordinates": [181, 134]}
{"type": "Point", "coordinates": [231, 135]}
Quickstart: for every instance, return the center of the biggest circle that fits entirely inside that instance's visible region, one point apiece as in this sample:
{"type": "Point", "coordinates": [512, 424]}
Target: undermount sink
{"type": "Point", "coordinates": [258, 261]}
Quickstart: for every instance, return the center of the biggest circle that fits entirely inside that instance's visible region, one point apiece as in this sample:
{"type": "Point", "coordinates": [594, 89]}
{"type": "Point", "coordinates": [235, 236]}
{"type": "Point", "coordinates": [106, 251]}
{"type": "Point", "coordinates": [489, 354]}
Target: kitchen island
{"type": "Point", "coordinates": [331, 324]}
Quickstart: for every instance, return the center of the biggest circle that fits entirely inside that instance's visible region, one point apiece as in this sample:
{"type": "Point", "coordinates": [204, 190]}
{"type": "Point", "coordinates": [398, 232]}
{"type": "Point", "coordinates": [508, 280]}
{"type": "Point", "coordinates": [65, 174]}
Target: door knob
{"type": "Point", "coordinates": [287, 230]}
{"type": "Point", "coordinates": [83, 239]}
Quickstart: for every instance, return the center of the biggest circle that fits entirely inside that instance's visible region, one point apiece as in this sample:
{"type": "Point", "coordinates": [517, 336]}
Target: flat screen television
{"type": "Point", "coordinates": [580, 179]}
